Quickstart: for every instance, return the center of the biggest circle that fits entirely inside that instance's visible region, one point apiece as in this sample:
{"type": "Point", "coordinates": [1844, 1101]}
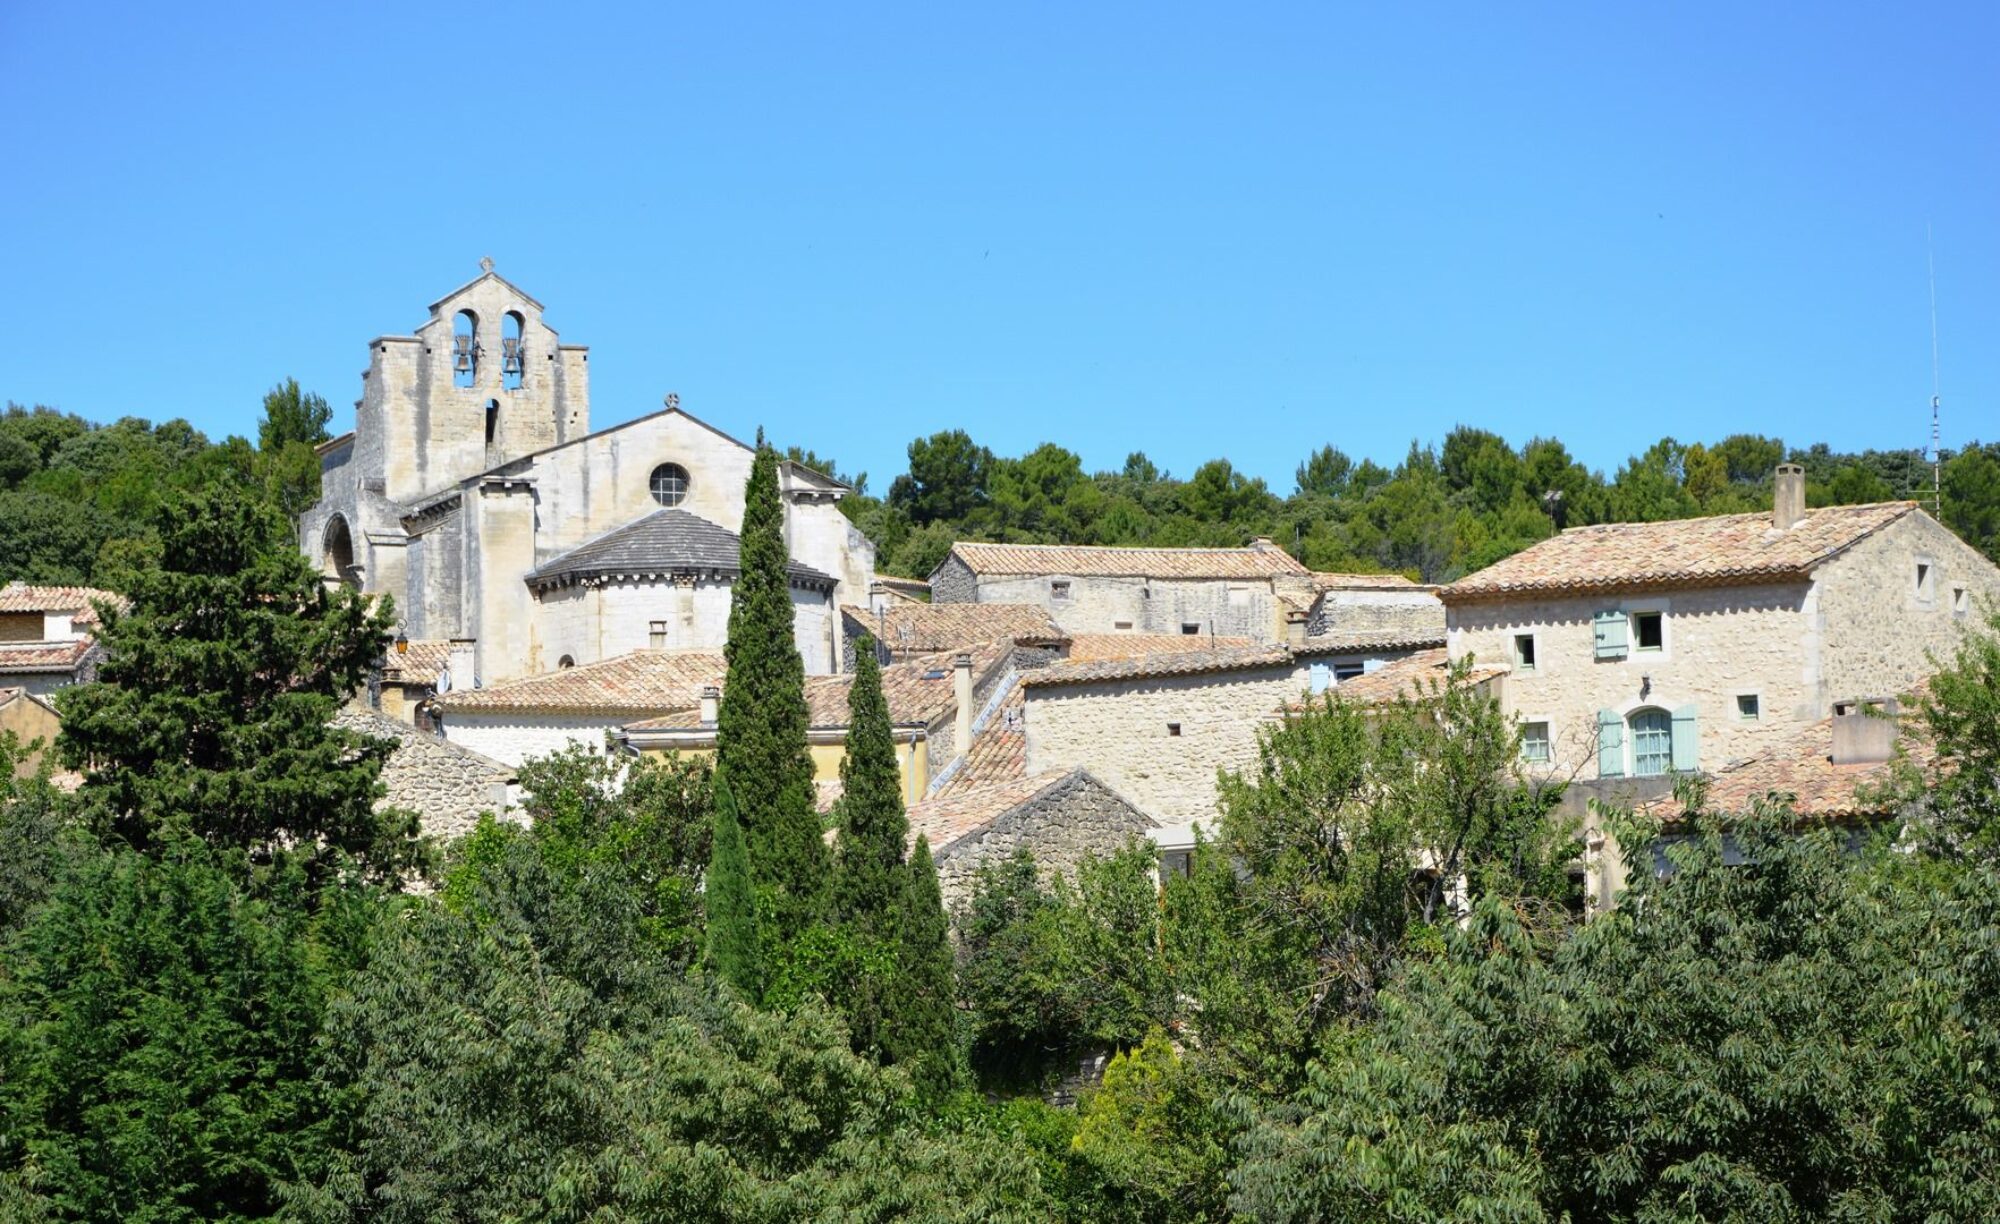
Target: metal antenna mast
{"type": "Point", "coordinates": [1937, 482]}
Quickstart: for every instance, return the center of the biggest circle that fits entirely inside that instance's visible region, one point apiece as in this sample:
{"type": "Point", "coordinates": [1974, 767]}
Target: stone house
{"type": "Point", "coordinates": [580, 705]}
{"type": "Point", "coordinates": [1640, 649]}
{"type": "Point", "coordinates": [445, 784]}
{"type": "Point", "coordinates": [1156, 728]}
{"type": "Point", "coordinates": [46, 638]}
{"type": "Point", "coordinates": [903, 630]}
{"type": "Point", "coordinates": [1061, 817]}
{"type": "Point", "coordinates": [34, 723]}
{"type": "Point", "coordinates": [473, 490]}
{"type": "Point", "coordinates": [1225, 592]}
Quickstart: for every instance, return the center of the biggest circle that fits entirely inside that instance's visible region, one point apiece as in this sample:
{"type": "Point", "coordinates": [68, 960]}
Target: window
{"type": "Point", "coordinates": [1059, 589]}
{"type": "Point", "coordinates": [1347, 671]}
{"type": "Point", "coordinates": [656, 635]}
{"type": "Point", "coordinates": [1648, 631]}
{"type": "Point", "coordinates": [1190, 628]}
{"type": "Point", "coordinates": [1609, 630]}
{"type": "Point", "coordinates": [1749, 707]}
{"type": "Point", "coordinates": [492, 420]}
{"type": "Point", "coordinates": [565, 663]}
{"type": "Point", "coordinates": [1176, 862]}
{"type": "Point", "coordinates": [1174, 729]}
{"type": "Point", "coordinates": [669, 484]}
{"type": "Point", "coordinates": [1652, 743]}
{"type": "Point", "coordinates": [1535, 742]}
{"type": "Point", "coordinates": [1961, 601]}
{"type": "Point", "coordinates": [512, 365]}
{"type": "Point", "coordinates": [1524, 652]}
{"type": "Point", "coordinates": [1926, 584]}
{"type": "Point", "coordinates": [1122, 626]}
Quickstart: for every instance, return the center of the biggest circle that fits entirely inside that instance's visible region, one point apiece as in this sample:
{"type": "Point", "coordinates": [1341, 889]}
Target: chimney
{"type": "Point", "coordinates": [1295, 629]}
{"type": "Point", "coordinates": [1788, 496]}
{"type": "Point", "coordinates": [1264, 544]}
{"type": "Point", "coordinates": [878, 598]}
{"type": "Point", "coordinates": [961, 691]}
{"type": "Point", "coordinates": [711, 702]}
{"type": "Point", "coordinates": [1864, 731]}
{"type": "Point", "coordinates": [463, 663]}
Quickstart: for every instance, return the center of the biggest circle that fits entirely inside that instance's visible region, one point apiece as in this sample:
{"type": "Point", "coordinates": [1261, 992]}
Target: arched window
{"type": "Point", "coordinates": [338, 558]}
{"type": "Point", "coordinates": [513, 363]}
{"type": "Point", "coordinates": [565, 663]}
{"type": "Point", "coordinates": [464, 348]}
{"type": "Point", "coordinates": [669, 484]}
{"type": "Point", "coordinates": [1652, 742]}
{"type": "Point", "coordinates": [492, 420]}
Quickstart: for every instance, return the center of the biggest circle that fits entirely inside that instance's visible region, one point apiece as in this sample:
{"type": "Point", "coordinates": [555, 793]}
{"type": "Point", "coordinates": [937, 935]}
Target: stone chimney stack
{"type": "Point", "coordinates": [462, 662]}
{"type": "Point", "coordinates": [1788, 496]}
{"type": "Point", "coordinates": [711, 705]}
{"type": "Point", "coordinates": [878, 598]}
{"type": "Point", "coordinates": [1295, 629]}
{"type": "Point", "coordinates": [961, 692]}
{"type": "Point", "coordinates": [1864, 731]}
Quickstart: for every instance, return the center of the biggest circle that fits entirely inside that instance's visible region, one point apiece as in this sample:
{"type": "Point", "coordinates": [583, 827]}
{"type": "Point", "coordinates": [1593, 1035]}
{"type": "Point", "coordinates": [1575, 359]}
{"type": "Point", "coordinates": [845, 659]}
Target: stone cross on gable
{"type": "Point", "coordinates": [486, 263]}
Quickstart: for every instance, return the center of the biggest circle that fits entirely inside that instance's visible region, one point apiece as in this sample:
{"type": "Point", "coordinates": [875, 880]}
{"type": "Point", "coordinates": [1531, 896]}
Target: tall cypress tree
{"type": "Point", "coordinates": [733, 951]}
{"type": "Point", "coordinates": [761, 727]}
{"type": "Point", "coordinates": [922, 1030]}
{"type": "Point", "coordinates": [867, 888]}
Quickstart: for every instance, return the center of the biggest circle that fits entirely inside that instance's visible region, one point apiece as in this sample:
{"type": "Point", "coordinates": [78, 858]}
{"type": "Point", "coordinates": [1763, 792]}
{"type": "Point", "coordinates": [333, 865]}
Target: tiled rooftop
{"type": "Point", "coordinates": [1322, 581]}
{"type": "Point", "coordinates": [17, 657]}
{"type": "Point", "coordinates": [919, 627]}
{"type": "Point", "coordinates": [1262, 560]}
{"type": "Point", "coordinates": [21, 597]}
{"type": "Point", "coordinates": [1413, 677]}
{"type": "Point", "coordinates": [999, 751]}
{"type": "Point", "coordinates": [1363, 642]}
{"type": "Point", "coordinates": [948, 818]}
{"type": "Point", "coordinates": [1184, 663]}
{"type": "Point", "coordinates": [1097, 647]}
{"type": "Point", "coordinates": [1803, 767]}
{"type": "Point", "coordinates": [643, 681]}
{"type": "Point", "coordinates": [920, 692]}
{"type": "Point", "coordinates": [663, 543]}
{"type": "Point", "coordinates": [1722, 551]}
{"type": "Point", "coordinates": [420, 664]}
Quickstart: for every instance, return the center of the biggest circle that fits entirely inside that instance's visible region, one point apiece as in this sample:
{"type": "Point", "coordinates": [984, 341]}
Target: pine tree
{"type": "Point", "coordinates": [922, 1031]}
{"type": "Point", "coordinates": [733, 951]}
{"type": "Point", "coordinates": [210, 714]}
{"type": "Point", "coordinates": [761, 726]}
{"type": "Point", "coordinates": [867, 889]}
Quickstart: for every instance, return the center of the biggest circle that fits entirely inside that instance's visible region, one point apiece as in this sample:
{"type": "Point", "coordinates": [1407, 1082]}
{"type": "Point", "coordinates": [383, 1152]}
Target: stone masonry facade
{"type": "Point", "coordinates": [445, 784]}
{"type": "Point", "coordinates": [1074, 818]}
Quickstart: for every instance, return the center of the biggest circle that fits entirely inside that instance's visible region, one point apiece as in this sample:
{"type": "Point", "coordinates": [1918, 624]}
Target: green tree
{"type": "Point", "coordinates": [1152, 1140]}
{"type": "Point", "coordinates": [734, 951]}
{"type": "Point", "coordinates": [761, 727]}
{"type": "Point", "coordinates": [923, 1036]}
{"type": "Point", "coordinates": [1971, 492]}
{"type": "Point", "coordinates": [869, 856]}
{"type": "Point", "coordinates": [1958, 791]}
{"type": "Point", "coordinates": [946, 480]}
{"type": "Point", "coordinates": [211, 714]}
{"type": "Point", "coordinates": [291, 415]}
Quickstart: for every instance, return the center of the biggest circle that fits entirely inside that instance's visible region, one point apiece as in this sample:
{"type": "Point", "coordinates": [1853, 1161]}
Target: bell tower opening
{"type": "Point", "coordinates": [513, 360]}
{"type": "Point", "coordinates": [464, 348]}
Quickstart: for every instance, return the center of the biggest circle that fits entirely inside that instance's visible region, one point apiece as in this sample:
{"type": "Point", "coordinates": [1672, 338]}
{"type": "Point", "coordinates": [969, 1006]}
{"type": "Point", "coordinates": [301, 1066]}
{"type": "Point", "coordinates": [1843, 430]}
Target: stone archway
{"type": "Point", "coordinates": [337, 553]}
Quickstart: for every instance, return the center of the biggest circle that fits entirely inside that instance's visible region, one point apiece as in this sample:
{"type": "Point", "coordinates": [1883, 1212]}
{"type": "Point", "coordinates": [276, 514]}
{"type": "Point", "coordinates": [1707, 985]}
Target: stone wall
{"type": "Point", "coordinates": [514, 738]}
{"type": "Point", "coordinates": [951, 582]}
{"type": "Point", "coordinates": [442, 782]}
{"type": "Point", "coordinates": [1719, 642]}
{"type": "Point", "coordinates": [1234, 608]}
{"type": "Point", "coordinates": [1878, 633]}
{"type": "Point", "coordinates": [1076, 817]}
{"type": "Point", "coordinates": [1122, 732]}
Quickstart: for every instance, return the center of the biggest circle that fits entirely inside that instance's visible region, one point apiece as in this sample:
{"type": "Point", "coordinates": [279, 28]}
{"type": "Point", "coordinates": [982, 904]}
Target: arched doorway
{"type": "Point", "coordinates": [337, 553]}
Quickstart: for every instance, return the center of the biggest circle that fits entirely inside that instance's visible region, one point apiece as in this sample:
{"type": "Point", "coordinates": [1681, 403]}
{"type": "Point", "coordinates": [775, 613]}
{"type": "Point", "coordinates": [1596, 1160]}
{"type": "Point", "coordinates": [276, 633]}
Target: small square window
{"type": "Point", "coordinates": [1174, 729]}
{"type": "Point", "coordinates": [1749, 707]}
{"type": "Point", "coordinates": [656, 634]}
{"type": "Point", "coordinates": [1524, 652]}
{"type": "Point", "coordinates": [1961, 601]}
{"type": "Point", "coordinates": [1122, 626]}
{"type": "Point", "coordinates": [1649, 631]}
{"type": "Point", "coordinates": [1190, 628]}
{"type": "Point", "coordinates": [1059, 590]}
{"type": "Point", "coordinates": [1535, 742]}
{"type": "Point", "coordinates": [1347, 671]}
{"type": "Point", "coordinates": [1926, 584]}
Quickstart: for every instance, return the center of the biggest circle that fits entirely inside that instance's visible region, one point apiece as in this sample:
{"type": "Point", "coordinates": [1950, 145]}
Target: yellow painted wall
{"type": "Point", "coordinates": [30, 720]}
{"type": "Point", "coordinates": [826, 759]}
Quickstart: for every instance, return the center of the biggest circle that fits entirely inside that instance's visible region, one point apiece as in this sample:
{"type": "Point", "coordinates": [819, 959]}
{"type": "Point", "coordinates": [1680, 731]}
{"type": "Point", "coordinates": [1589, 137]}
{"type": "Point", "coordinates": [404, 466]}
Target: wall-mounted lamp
{"type": "Point", "coordinates": [402, 642]}
{"type": "Point", "coordinates": [1645, 686]}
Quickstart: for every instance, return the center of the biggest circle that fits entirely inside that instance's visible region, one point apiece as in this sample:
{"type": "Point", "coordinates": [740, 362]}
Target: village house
{"type": "Point", "coordinates": [901, 629]}
{"type": "Point", "coordinates": [447, 785]}
{"type": "Point", "coordinates": [46, 638]}
{"type": "Point", "coordinates": [474, 492]}
{"type": "Point", "coordinates": [1060, 817]}
{"type": "Point", "coordinates": [576, 706]}
{"type": "Point", "coordinates": [1635, 650]}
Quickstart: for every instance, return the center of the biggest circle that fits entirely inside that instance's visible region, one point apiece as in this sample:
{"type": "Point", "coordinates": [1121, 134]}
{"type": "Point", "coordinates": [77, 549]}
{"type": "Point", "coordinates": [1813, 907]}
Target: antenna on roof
{"type": "Point", "coordinates": [1937, 460]}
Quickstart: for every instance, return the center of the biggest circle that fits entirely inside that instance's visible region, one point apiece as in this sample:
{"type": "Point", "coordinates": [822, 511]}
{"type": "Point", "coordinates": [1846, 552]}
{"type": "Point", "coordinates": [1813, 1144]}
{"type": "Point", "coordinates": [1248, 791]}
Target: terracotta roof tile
{"type": "Point", "coordinates": [20, 597]}
{"type": "Point", "coordinates": [945, 820]}
{"type": "Point", "coordinates": [1361, 642]}
{"type": "Point", "coordinates": [1803, 768]}
{"type": "Point", "coordinates": [1411, 677]}
{"type": "Point", "coordinates": [919, 627]}
{"type": "Point", "coordinates": [920, 692]}
{"type": "Point", "coordinates": [1186, 663]}
{"type": "Point", "coordinates": [1264, 560]}
{"type": "Point", "coordinates": [1721, 551]}
{"type": "Point", "coordinates": [999, 751]}
{"type": "Point", "coordinates": [1097, 647]}
{"type": "Point", "coordinates": [420, 664]}
{"type": "Point", "coordinates": [1322, 581]}
{"type": "Point", "coordinates": [643, 681]}
{"type": "Point", "coordinates": [16, 657]}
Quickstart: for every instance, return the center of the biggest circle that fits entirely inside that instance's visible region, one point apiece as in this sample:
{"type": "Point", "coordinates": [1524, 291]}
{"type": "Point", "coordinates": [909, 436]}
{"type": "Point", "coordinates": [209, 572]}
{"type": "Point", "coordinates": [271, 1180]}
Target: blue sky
{"type": "Point", "coordinates": [1239, 230]}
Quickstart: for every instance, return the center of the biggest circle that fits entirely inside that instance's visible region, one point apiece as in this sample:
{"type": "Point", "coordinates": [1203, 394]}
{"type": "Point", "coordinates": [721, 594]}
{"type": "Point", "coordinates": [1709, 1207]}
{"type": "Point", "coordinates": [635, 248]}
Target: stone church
{"type": "Point", "coordinates": [474, 492]}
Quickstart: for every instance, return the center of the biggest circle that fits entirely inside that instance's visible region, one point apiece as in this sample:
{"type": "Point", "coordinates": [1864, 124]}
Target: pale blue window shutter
{"type": "Point", "coordinates": [1610, 744]}
{"type": "Point", "coordinates": [1610, 633]}
{"type": "Point", "coordinates": [1687, 740]}
{"type": "Point", "coordinates": [1321, 676]}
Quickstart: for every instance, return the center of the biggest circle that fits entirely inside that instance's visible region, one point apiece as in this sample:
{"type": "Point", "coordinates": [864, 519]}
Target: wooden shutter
{"type": "Point", "coordinates": [1687, 740]}
{"type": "Point", "coordinates": [1610, 631]}
{"type": "Point", "coordinates": [1610, 744]}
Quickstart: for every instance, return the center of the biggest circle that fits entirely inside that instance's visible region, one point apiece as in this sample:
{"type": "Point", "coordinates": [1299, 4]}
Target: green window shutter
{"type": "Point", "coordinates": [1687, 740]}
{"type": "Point", "coordinates": [1610, 629]}
{"type": "Point", "coordinates": [1610, 744]}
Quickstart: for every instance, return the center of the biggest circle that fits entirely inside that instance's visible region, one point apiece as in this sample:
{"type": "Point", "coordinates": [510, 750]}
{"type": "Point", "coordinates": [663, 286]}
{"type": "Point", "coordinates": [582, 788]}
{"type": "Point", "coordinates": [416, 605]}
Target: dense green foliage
{"type": "Point", "coordinates": [761, 725]}
{"type": "Point", "coordinates": [734, 953]}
